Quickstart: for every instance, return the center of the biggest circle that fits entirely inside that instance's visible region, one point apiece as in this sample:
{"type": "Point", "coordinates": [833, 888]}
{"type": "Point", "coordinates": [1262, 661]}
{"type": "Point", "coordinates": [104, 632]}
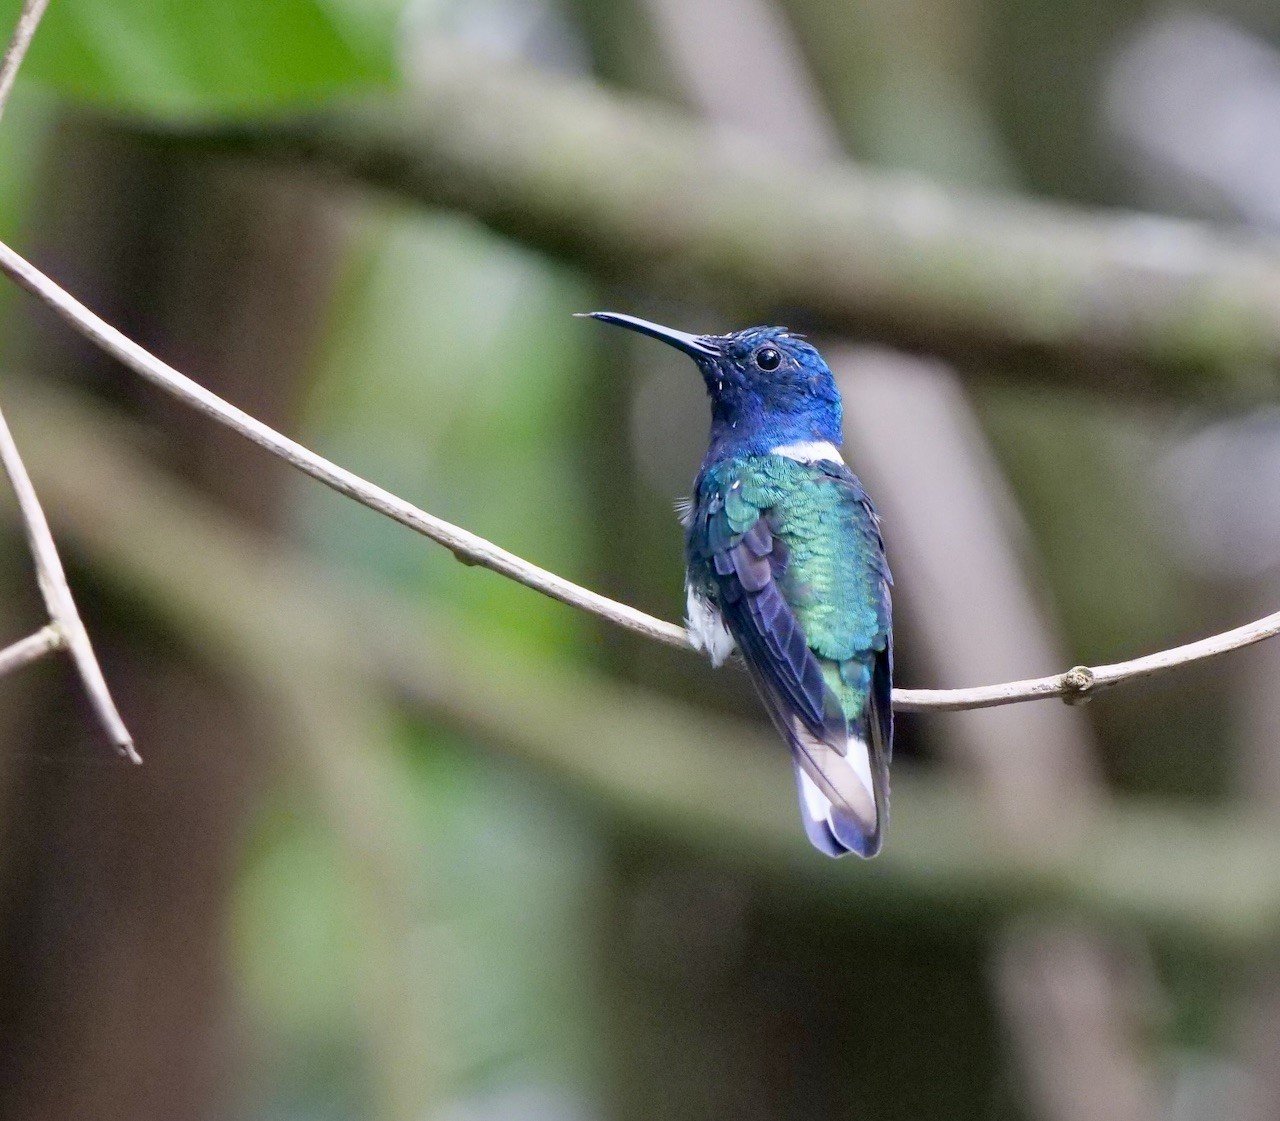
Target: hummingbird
{"type": "Point", "coordinates": [786, 565]}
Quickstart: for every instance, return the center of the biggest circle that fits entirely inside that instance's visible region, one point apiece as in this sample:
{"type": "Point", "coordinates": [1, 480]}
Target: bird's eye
{"type": "Point", "coordinates": [768, 358]}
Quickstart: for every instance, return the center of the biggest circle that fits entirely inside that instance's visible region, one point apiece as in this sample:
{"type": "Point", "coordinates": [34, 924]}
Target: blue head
{"type": "Point", "coordinates": [768, 388]}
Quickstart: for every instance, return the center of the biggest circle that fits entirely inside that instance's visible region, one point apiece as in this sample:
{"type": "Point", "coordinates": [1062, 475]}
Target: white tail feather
{"type": "Point", "coordinates": [837, 795]}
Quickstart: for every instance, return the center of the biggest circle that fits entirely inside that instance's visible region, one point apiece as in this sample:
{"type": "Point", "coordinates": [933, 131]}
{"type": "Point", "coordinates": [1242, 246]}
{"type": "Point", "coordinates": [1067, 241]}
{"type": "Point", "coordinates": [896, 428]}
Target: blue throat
{"type": "Point", "coordinates": [746, 425]}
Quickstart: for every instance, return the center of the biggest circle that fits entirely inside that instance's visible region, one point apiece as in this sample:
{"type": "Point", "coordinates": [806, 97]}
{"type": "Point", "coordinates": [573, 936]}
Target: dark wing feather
{"type": "Point", "coordinates": [755, 609]}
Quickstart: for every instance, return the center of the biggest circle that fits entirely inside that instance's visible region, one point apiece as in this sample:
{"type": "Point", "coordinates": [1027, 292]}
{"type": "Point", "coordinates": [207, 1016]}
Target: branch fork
{"type": "Point", "coordinates": [66, 630]}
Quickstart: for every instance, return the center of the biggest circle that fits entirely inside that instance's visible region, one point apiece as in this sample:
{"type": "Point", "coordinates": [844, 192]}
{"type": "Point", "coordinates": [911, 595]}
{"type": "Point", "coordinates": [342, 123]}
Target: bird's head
{"type": "Point", "coordinates": [768, 387]}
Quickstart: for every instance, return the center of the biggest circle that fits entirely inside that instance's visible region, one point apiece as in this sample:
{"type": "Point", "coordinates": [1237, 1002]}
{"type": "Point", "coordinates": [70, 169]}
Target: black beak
{"type": "Point", "coordinates": [696, 346]}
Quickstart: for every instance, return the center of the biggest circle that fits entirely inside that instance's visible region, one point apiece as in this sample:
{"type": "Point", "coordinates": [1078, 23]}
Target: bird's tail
{"type": "Point", "coordinates": [843, 772]}
{"type": "Point", "coordinates": [844, 796]}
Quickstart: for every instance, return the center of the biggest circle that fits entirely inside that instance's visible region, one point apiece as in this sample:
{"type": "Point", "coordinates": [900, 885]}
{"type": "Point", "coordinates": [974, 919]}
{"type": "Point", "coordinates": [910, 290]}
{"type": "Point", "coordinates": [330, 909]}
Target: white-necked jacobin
{"type": "Point", "coordinates": [786, 563]}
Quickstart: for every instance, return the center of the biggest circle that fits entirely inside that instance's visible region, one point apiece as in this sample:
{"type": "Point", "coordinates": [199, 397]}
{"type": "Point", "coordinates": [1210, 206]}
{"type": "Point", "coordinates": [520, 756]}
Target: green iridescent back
{"type": "Point", "coordinates": [835, 578]}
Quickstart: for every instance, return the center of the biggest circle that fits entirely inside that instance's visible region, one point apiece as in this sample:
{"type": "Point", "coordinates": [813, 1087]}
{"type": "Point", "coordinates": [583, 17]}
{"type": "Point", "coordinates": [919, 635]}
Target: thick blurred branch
{"type": "Point", "coordinates": [240, 601]}
{"type": "Point", "coordinates": [472, 549]}
{"type": "Point", "coordinates": [619, 186]}
{"type": "Point", "coordinates": [920, 444]}
{"type": "Point", "coordinates": [1075, 1003]}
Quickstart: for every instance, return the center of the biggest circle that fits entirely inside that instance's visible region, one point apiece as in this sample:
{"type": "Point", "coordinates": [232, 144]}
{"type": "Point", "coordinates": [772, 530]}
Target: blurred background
{"type": "Point", "coordinates": [412, 841]}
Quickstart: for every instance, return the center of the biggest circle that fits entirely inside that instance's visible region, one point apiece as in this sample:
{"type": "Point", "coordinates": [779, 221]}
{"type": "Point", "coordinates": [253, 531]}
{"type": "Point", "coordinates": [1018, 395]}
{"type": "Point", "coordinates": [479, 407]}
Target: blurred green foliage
{"type": "Point", "coordinates": [453, 376]}
{"type": "Point", "coordinates": [175, 58]}
{"type": "Point", "coordinates": [20, 141]}
{"type": "Point", "coordinates": [449, 376]}
{"type": "Point", "coordinates": [505, 929]}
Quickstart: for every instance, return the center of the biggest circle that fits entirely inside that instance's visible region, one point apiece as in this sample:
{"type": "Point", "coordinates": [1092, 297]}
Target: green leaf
{"type": "Point", "coordinates": [177, 58]}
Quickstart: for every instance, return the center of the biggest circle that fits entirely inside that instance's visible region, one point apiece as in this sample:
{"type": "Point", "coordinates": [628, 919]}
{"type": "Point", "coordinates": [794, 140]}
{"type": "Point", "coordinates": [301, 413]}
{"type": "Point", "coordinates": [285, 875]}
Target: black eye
{"type": "Point", "coordinates": [768, 358]}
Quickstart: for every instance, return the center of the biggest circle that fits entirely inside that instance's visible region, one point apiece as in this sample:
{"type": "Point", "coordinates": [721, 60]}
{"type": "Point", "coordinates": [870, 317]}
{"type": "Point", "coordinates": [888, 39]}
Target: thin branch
{"type": "Point", "coordinates": [28, 21]}
{"type": "Point", "coordinates": [45, 641]}
{"type": "Point", "coordinates": [57, 596]}
{"type": "Point", "coordinates": [1080, 682]}
{"type": "Point", "coordinates": [1075, 684]}
{"type": "Point", "coordinates": [467, 547]}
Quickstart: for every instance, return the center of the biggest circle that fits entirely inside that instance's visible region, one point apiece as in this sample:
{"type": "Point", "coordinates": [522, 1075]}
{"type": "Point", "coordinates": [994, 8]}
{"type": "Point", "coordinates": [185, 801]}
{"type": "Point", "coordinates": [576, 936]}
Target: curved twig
{"type": "Point", "coordinates": [466, 546]}
{"type": "Point", "coordinates": [1079, 684]}
{"type": "Point", "coordinates": [28, 21]}
{"type": "Point", "coordinates": [32, 648]}
{"type": "Point", "coordinates": [1074, 685]}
